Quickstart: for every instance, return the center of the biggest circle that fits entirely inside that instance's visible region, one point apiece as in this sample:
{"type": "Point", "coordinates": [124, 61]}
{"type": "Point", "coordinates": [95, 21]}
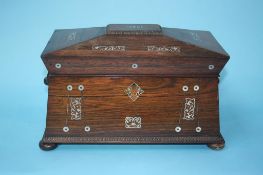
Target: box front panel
{"type": "Point", "coordinates": [132, 106]}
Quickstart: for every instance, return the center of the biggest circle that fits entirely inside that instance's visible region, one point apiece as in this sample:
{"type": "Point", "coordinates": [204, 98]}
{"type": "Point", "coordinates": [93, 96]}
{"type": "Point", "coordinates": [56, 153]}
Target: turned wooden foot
{"type": "Point", "coordinates": [47, 146]}
{"type": "Point", "coordinates": [216, 146]}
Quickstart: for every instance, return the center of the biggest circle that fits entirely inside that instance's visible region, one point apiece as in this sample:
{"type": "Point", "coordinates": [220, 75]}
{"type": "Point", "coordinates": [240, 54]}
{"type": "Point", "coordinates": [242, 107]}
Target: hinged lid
{"type": "Point", "coordinates": [125, 49]}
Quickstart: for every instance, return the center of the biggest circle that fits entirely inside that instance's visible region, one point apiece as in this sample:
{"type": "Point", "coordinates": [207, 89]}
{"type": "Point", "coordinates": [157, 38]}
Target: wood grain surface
{"type": "Point", "coordinates": [105, 106]}
{"type": "Point", "coordinates": [156, 60]}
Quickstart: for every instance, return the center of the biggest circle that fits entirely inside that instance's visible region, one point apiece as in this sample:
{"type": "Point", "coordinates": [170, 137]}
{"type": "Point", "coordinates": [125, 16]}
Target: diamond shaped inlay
{"type": "Point", "coordinates": [134, 91]}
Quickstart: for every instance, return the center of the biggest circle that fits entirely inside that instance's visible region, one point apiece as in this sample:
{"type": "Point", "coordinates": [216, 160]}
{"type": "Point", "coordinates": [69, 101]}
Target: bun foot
{"type": "Point", "coordinates": [216, 146]}
{"type": "Point", "coordinates": [47, 146]}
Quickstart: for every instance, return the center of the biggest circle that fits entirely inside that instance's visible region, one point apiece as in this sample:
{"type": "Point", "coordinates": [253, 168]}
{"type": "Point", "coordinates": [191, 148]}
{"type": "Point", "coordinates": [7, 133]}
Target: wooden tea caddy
{"type": "Point", "coordinates": [133, 84]}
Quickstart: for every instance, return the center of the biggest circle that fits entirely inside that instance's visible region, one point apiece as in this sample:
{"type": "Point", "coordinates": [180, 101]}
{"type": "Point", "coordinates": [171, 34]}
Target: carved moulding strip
{"type": "Point", "coordinates": [136, 140]}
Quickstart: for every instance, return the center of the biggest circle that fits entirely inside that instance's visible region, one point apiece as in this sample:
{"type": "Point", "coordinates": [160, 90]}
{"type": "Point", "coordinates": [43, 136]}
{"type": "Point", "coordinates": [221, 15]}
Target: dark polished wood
{"type": "Point", "coordinates": [105, 105]}
{"type": "Point", "coordinates": [158, 63]}
{"type": "Point", "coordinates": [216, 146]}
{"type": "Point", "coordinates": [47, 146]}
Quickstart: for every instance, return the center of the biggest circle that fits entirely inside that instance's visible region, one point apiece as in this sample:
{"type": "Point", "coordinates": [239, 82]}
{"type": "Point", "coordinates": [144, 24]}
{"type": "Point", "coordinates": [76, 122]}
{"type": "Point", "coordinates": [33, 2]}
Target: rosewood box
{"type": "Point", "coordinates": [133, 84]}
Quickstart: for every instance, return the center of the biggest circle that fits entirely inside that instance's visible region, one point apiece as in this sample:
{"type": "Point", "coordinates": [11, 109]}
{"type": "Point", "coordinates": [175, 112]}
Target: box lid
{"type": "Point", "coordinates": [134, 49]}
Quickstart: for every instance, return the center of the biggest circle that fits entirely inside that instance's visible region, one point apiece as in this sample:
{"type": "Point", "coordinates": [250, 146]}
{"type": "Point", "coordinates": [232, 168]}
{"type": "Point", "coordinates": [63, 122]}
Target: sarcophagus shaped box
{"type": "Point", "coordinates": [133, 84]}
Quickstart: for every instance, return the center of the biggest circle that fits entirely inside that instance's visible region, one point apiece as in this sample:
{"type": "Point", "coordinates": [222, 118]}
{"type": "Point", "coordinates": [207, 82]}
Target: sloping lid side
{"type": "Point", "coordinates": [68, 37]}
{"type": "Point", "coordinates": [167, 51]}
{"type": "Point", "coordinates": [202, 39]}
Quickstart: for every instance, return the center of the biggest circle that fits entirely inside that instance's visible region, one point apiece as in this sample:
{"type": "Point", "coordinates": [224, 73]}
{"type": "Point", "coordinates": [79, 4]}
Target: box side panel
{"type": "Point", "coordinates": [132, 106]}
